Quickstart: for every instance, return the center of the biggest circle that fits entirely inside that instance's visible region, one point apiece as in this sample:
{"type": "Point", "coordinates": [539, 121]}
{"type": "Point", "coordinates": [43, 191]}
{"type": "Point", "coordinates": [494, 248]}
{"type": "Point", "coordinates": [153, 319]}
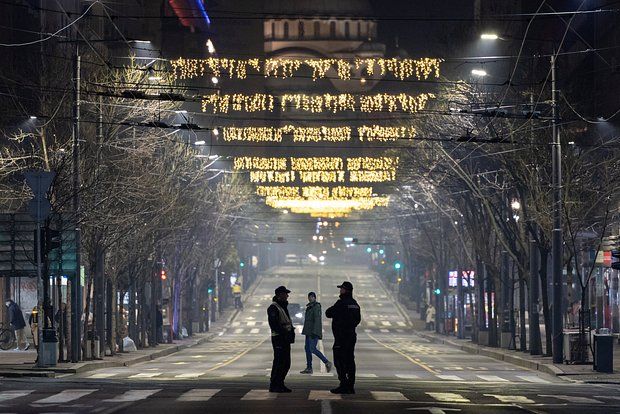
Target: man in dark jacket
{"type": "Point", "coordinates": [345, 315]}
{"type": "Point", "coordinates": [282, 336]}
{"type": "Point", "coordinates": [16, 319]}
{"type": "Point", "coordinates": [313, 330]}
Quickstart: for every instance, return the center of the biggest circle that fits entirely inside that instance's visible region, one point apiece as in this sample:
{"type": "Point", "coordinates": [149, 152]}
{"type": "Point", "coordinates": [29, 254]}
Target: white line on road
{"type": "Point", "coordinates": [65, 396]}
{"type": "Point", "coordinates": [198, 394]}
{"type": "Point", "coordinates": [450, 377]}
{"type": "Point", "coordinates": [132, 396]}
{"type": "Point", "coordinates": [323, 395]}
{"type": "Point", "coordinates": [146, 375]}
{"type": "Point", "coordinates": [10, 395]}
{"type": "Point", "coordinates": [259, 395]}
{"type": "Point", "coordinates": [407, 376]}
{"type": "Point", "coordinates": [104, 375]}
{"type": "Point", "coordinates": [511, 399]}
{"type": "Point", "coordinates": [388, 396]}
{"type": "Point", "coordinates": [573, 399]}
{"type": "Point", "coordinates": [254, 331]}
{"type": "Point", "coordinates": [238, 331]}
{"type": "Point", "coordinates": [533, 378]}
{"type": "Point", "coordinates": [448, 397]}
{"type": "Point", "coordinates": [492, 378]}
{"type": "Point", "coordinates": [190, 375]}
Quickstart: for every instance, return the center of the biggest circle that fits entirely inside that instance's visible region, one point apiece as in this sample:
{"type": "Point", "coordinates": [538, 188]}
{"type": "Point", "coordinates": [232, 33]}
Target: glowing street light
{"type": "Point", "coordinates": [479, 72]}
{"type": "Point", "coordinates": [210, 47]}
{"type": "Point", "coordinates": [214, 80]}
{"type": "Point", "coordinates": [489, 36]}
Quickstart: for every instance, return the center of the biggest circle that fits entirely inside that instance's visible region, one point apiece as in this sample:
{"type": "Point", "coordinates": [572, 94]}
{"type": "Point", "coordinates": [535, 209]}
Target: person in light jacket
{"type": "Point", "coordinates": [430, 317]}
{"type": "Point", "coordinates": [313, 330]}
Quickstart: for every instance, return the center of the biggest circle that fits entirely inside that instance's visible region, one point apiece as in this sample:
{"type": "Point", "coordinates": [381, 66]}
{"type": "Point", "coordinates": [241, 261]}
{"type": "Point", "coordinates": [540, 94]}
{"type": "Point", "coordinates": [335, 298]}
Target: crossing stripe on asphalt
{"type": "Point", "coordinates": [448, 397]}
{"type": "Point", "coordinates": [65, 396]}
{"type": "Point", "coordinates": [255, 331]}
{"type": "Point", "coordinates": [407, 376]}
{"type": "Point", "coordinates": [10, 395]}
{"type": "Point", "coordinates": [533, 378]}
{"type": "Point", "coordinates": [388, 396]}
{"type": "Point", "coordinates": [573, 399]}
{"type": "Point", "coordinates": [103, 375]}
{"type": "Point", "coordinates": [198, 394]}
{"type": "Point", "coordinates": [259, 395]}
{"type": "Point", "coordinates": [146, 375]}
{"type": "Point", "coordinates": [450, 377]}
{"type": "Point", "coordinates": [492, 378]}
{"type": "Point", "coordinates": [190, 375]}
{"type": "Point", "coordinates": [133, 395]}
{"type": "Point", "coordinates": [512, 399]}
{"type": "Point", "coordinates": [323, 395]}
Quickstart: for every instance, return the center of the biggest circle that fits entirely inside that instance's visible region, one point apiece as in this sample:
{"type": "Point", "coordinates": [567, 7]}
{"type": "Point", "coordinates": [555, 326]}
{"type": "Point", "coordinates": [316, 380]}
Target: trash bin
{"type": "Point", "coordinates": [603, 353]}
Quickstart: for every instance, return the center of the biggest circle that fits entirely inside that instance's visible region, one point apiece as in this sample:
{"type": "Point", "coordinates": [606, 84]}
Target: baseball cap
{"type": "Point", "coordinates": [346, 285]}
{"type": "Point", "coordinates": [282, 289]}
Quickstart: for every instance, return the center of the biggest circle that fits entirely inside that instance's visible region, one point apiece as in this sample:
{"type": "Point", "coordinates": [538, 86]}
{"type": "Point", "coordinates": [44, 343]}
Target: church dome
{"type": "Point", "coordinates": [331, 8]}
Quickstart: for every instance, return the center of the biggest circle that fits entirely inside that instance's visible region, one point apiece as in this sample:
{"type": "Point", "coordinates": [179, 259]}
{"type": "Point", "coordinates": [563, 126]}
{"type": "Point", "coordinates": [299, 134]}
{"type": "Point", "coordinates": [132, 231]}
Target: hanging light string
{"type": "Point", "coordinates": [316, 163]}
{"type": "Point", "coordinates": [402, 69]}
{"type": "Point", "coordinates": [311, 177]}
{"type": "Point", "coordinates": [261, 102]}
{"type": "Point", "coordinates": [368, 133]}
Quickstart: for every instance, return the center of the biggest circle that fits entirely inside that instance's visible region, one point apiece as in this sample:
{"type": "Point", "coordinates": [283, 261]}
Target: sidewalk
{"type": "Point", "coordinates": [21, 363]}
{"type": "Point", "coordinates": [572, 373]}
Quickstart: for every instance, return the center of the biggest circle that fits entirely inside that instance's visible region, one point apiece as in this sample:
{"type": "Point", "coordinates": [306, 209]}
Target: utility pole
{"type": "Point", "coordinates": [556, 237]}
{"type": "Point", "coordinates": [76, 292]}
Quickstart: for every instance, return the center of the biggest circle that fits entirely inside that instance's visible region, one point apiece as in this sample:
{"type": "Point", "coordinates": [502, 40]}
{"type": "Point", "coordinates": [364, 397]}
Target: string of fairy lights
{"type": "Point", "coordinates": [282, 68]}
{"type": "Point", "coordinates": [321, 186]}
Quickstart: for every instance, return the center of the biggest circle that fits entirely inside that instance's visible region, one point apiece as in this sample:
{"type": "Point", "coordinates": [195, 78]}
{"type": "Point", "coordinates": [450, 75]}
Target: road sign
{"type": "Point", "coordinates": [39, 182]}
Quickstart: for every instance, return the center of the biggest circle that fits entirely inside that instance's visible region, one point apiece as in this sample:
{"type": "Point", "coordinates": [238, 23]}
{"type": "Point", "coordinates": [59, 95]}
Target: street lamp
{"type": "Point", "coordinates": [479, 72]}
{"type": "Point", "coordinates": [489, 36]}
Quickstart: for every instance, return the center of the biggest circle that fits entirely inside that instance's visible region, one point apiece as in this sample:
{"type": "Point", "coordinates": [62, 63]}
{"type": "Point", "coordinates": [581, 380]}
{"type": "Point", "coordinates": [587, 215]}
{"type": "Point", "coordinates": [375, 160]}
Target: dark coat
{"type": "Point", "coordinates": [273, 316]}
{"type": "Point", "coordinates": [345, 315]}
{"type": "Point", "coordinates": [312, 321]}
{"type": "Point", "coordinates": [16, 317]}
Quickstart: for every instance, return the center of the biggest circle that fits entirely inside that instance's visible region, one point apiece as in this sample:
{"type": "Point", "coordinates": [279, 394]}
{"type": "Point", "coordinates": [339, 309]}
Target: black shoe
{"type": "Point", "coordinates": [280, 389]}
{"type": "Point", "coordinates": [351, 390]}
{"type": "Point", "coordinates": [340, 390]}
{"type": "Point", "coordinates": [286, 389]}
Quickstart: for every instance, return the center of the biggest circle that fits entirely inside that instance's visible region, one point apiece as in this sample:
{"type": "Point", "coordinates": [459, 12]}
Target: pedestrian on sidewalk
{"type": "Point", "coordinates": [18, 324]}
{"type": "Point", "coordinates": [282, 336]}
{"type": "Point", "coordinates": [345, 315]}
{"type": "Point", "coordinates": [313, 330]}
{"type": "Point", "coordinates": [236, 291]}
{"type": "Point", "coordinates": [430, 317]}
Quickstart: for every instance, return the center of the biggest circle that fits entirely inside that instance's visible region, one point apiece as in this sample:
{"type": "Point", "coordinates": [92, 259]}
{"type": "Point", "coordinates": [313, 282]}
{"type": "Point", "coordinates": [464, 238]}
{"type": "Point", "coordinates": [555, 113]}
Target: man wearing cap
{"type": "Point", "coordinates": [345, 316]}
{"type": "Point", "coordinates": [282, 336]}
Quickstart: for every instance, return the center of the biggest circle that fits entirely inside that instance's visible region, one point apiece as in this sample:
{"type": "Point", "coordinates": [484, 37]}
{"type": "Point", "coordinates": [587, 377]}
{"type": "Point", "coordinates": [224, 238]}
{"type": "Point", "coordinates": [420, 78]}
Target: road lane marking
{"type": "Point", "coordinates": [133, 395]}
{"type": "Point", "coordinates": [386, 323]}
{"type": "Point", "coordinates": [146, 375]}
{"type": "Point", "coordinates": [104, 375]}
{"type": "Point", "coordinates": [450, 377]}
{"type": "Point", "coordinates": [254, 331]}
{"type": "Point", "coordinates": [239, 330]}
{"type": "Point", "coordinates": [573, 399]}
{"type": "Point", "coordinates": [11, 395]}
{"type": "Point", "coordinates": [198, 394]}
{"type": "Point", "coordinates": [407, 376]}
{"type": "Point", "coordinates": [236, 357]}
{"type": "Point", "coordinates": [391, 348]}
{"type": "Point", "coordinates": [65, 396]}
{"type": "Point", "coordinates": [259, 395]}
{"type": "Point", "coordinates": [401, 323]}
{"type": "Point", "coordinates": [512, 399]}
{"type": "Point", "coordinates": [190, 375]}
{"type": "Point", "coordinates": [366, 375]}
{"type": "Point", "coordinates": [251, 323]}
{"type": "Point", "coordinates": [533, 378]}
{"type": "Point", "coordinates": [388, 396]}
{"type": "Point", "coordinates": [448, 397]}
{"type": "Point", "coordinates": [323, 395]}
{"type": "Point", "coordinates": [492, 378]}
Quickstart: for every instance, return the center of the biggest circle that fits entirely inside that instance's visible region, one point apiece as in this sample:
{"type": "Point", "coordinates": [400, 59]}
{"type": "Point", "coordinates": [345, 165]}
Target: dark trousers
{"type": "Point", "coordinates": [281, 361]}
{"type": "Point", "coordinates": [344, 361]}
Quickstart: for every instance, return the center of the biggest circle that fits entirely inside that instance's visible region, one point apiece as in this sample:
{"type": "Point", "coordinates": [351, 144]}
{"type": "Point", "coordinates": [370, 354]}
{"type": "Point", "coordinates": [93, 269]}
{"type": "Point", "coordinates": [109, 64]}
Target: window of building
{"type": "Point", "coordinates": [347, 30]}
{"type": "Point", "coordinates": [359, 30]}
{"type": "Point", "coordinates": [332, 30]}
{"type": "Point", "coordinates": [273, 30]}
{"type": "Point", "coordinates": [285, 36]}
{"type": "Point", "coordinates": [317, 30]}
{"type": "Point", "coordinates": [301, 30]}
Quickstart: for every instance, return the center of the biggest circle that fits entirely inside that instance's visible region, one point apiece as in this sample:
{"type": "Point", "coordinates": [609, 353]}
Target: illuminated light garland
{"type": "Point", "coordinates": [358, 203]}
{"type": "Point", "coordinates": [421, 69]}
{"type": "Point", "coordinates": [372, 176]}
{"type": "Point", "coordinates": [316, 163]}
{"type": "Point", "coordinates": [259, 163]}
{"type": "Point", "coordinates": [322, 176]}
{"type": "Point", "coordinates": [313, 192]}
{"type": "Point", "coordinates": [383, 133]}
{"type": "Point", "coordinates": [372, 163]}
{"type": "Point", "coordinates": [272, 176]}
{"type": "Point", "coordinates": [317, 134]}
{"type": "Point", "coordinates": [260, 102]}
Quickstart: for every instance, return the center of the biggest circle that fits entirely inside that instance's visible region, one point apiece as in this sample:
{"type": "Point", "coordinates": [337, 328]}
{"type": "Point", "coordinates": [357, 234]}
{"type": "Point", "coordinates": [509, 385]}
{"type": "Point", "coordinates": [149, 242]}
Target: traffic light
{"type": "Point", "coordinates": [437, 291]}
{"type": "Point", "coordinates": [164, 276]}
{"type": "Point", "coordinates": [241, 264]}
{"type": "Point", "coordinates": [53, 239]}
{"type": "Point", "coordinates": [397, 265]}
{"type": "Point", "coordinates": [368, 249]}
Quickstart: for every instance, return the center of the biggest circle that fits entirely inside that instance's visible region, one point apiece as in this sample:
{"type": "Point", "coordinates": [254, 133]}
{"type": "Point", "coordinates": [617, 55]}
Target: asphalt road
{"type": "Point", "coordinates": [398, 371]}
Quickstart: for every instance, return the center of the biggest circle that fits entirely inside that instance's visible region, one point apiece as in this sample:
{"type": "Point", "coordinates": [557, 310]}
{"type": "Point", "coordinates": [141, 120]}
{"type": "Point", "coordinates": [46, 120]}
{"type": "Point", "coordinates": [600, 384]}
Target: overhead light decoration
{"type": "Point", "coordinates": [314, 192]}
{"type": "Point", "coordinates": [402, 69]}
{"type": "Point", "coordinates": [260, 102]}
{"type": "Point", "coordinates": [321, 164]}
{"type": "Point", "coordinates": [384, 133]}
{"type": "Point", "coordinates": [317, 134]}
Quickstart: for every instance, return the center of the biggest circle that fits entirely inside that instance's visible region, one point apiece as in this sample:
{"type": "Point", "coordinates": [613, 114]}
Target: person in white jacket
{"type": "Point", "coordinates": [430, 317]}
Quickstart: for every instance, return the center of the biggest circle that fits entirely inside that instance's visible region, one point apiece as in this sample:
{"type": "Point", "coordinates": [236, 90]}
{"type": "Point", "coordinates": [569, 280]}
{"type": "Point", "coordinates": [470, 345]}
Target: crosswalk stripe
{"type": "Point", "coordinates": [533, 378]}
{"type": "Point", "coordinates": [448, 397]}
{"type": "Point", "coordinates": [251, 323]}
{"type": "Point", "coordinates": [104, 375]}
{"type": "Point", "coordinates": [492, 378]}
{"type": "Point", "coordinates": [10, 395]}
{"type": "Point", "coordinates": [65, 396]}
{"type": "Point", "coordinates": [255, 331]}
{"type": "Point", "coordinates": [133, 395]}
{"type": "Point", "coordinates": [386, 323]}
{"type": "Point", "coordinates": [384, 330]}
{"type": "Point", "coordinates": [516, 399]}
{"type": "Point", "coordinates": [407, 376]}
{"type": "Point", "coordinates": [401, 323]}
{"type": "Point", "coordinates": [146, 375]}
{"type": "Point", "coordinates": [238, 331]}
{"type": "Point", "coordinates": [574, 399]}
{"type": "Point", "coordinates": [449, 377]}
{"type": "Point", "coordinates": [198, 394]}
{"type": "Point", "coordinates": [258, 395]}
{"type": "Point", "coordinates": [366, 375]}
{"type": "Point", "coordinates": [235, 324]}
{"type": "Point", "coordinates": [190, 375]}
{"type": "Point", "coordinates": [323, 395]}
{"type": "Point", "coordinates": [388, 396]}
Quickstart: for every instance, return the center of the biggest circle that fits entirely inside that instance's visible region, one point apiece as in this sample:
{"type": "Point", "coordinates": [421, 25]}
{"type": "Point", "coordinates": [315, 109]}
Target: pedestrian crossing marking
{"type": "Point", "coordinates": [189, 375]}
{"type": "Point", "coordinates": [492, 378]}
{"type": "Point", "coordinates": [258, 395]}
{"type": "Point", "coordinates": [239, 330]}
{"type": "Point", "coordinates": [198, 394]}
{"type": "Point", "coordinates": [103, 375]}
{"type": "Point", "coordinates": [10, 395]}
{"type": "Point", "coordinates": [401, 323]}
{"type": "Point", "coordinates": [235, 324]}
{"type": "Point", "coordinates": [251, 323]}
{"type": "Point", "coordinates": [146, 375]}
{"type": "Point", "coordinates": [65, 396]}
{"type": "Point", "coordinates": [366, 375]}
{"type": "Point", "coordinates": [255, 331]}
{"type": "Point", "coordinates": [133, 395]}
{"type": "Point", "coordinates": [511, 399]}
{"type": "Point", "coordinates": [388, 396]}
{"type": "Point", "coordinates": [386, 323]}
{"type": "Point", "coordinates": [407, 376]}
{"type": "Point", "coordinates": [384, 331]}
{"type": "Point", "coordinates": [448, 397]}
{"type": "Point", "coordinates": [323, 395]}
{"type": "Point", "coordinates": [533, 378]}
{"type": "Point", "coordinates": [574, 399]}
{"type": "Point", "coordinates": [450, 377]}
